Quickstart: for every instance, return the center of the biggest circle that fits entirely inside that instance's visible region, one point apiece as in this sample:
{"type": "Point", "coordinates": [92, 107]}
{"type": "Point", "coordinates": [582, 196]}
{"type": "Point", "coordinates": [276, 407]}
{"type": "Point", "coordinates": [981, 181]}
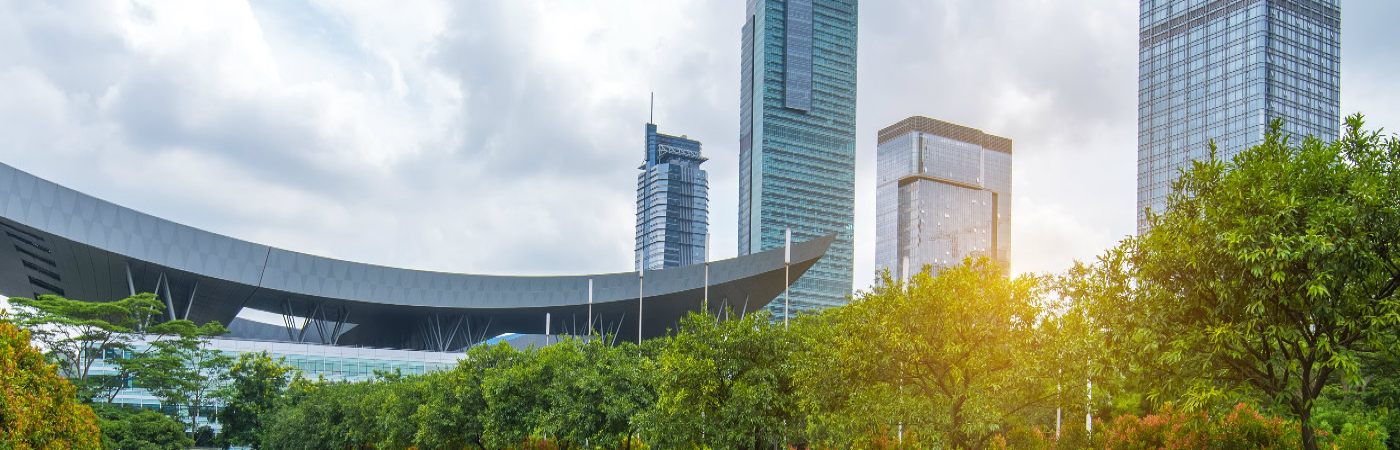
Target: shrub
{"type": "Point", "coordinates": [1242, 428]}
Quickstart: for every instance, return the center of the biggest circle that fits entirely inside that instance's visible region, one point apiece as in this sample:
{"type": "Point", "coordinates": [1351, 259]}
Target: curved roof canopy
{"type": "Point", "coordinates": [61, 241]}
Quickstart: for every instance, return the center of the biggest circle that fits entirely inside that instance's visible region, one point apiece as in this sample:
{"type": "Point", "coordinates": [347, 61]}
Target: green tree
{"type": "Point", "coordinates": [38, 408]}
{"type": "Point", "coordinates": [593, 393]}
{"type": "Point", "coordinates": [76, 333]}
{"type": "Point", "coordinates": [1274, 273]}
{"type": "Point", "coordinates": [451, 414]}
{"type": "Point", "coordinates": [256, 384]}
{"type": "Point", "coordinates": [724, 384]}
{"type": "Point", "coordinates": [952, 360]}
{"type": "Point", "coordinates": [182, 372]}
{"type": "Point", "coordinates": [132, 429]}
{"type": "Point", "coordinates": [515, 390]}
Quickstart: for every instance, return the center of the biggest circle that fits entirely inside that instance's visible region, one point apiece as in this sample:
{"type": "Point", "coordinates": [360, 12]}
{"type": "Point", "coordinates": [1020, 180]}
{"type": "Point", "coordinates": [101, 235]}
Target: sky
{"type": "Point", "coordinates": [503, 136]}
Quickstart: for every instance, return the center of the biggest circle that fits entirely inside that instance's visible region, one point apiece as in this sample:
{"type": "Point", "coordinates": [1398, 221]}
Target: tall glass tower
{"type": "Point", "coordinates": [943, 193]}
{"type": "Point", "coordinates": [673, 203]}
{"type": "Point", "coordinates": [1222, 70]}
{"type": "Point", "coordinates": [797, 131]}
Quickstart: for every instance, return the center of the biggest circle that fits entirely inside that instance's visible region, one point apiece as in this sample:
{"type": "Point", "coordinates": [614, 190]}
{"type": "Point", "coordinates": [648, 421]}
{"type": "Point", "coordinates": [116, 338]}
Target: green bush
{"type": "Point", "coordinates": [131, 429]}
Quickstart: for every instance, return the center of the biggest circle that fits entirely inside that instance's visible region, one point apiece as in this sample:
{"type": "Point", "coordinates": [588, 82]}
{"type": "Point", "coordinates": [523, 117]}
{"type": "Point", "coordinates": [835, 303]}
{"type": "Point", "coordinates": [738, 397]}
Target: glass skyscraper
{"type": "Point", "coordinates": [673, 203]}
{"type": "Point", "coordinates": [1222, 70]}
{"type": "Point", "coordinates": [943, 193]}
{"type": "Point", "coordinates": [797, 133]}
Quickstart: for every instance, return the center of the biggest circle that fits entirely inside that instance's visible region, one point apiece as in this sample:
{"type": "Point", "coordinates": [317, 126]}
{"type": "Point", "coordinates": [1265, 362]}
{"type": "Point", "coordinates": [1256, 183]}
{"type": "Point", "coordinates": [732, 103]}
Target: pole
{"type": "Point", "coordinates": [590, 306]}
{"type": "Point", "coordinates": [546, 328]}
{"type": "Point", "coordinates": [641, 294]}
{"type": "Point", "coordinates": [787, 276]}
{"type": "Point", "coordinates": [705, 301]}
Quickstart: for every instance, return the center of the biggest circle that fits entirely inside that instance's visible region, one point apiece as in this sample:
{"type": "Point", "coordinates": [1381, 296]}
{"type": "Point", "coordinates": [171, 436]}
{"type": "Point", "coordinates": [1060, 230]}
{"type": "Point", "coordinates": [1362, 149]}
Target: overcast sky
{"type": "Point", "coordinates": [504, 136]}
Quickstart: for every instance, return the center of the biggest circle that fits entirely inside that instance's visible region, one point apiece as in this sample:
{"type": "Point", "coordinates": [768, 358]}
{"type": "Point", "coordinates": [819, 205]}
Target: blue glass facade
{"type": "Point", "coordinates": [1221, 70]}
{"type": "Point", "coordinates": [797, 137]}
{"type": "Point", "coordinates": [673, 203]}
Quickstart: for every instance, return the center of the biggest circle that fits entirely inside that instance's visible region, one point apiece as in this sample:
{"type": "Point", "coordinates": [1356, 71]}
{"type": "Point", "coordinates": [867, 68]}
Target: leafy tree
{"type": "Point", "coordinates": [143, 429]}
{"type": "Point", "coordinates": [76, 333]}
{"type": "Point", "coordinates": [183, 372]}
{"type": "Point", "coordinates": [594, 392]}
{"type": "Point", "coordinates": [38, 408]}
{"type": "Point", "coordinates": [1274, 273]}
{"type": "Point", "coordinates": [724, 384]}
{"type": "Point", "coordinates": [451, 414]}
{"type": "Point", "coordinates": [952, 360]}
{"type": "Point", "coordinates": [514, 390]}
{"type": "Point", "coordinates": [256, 383]}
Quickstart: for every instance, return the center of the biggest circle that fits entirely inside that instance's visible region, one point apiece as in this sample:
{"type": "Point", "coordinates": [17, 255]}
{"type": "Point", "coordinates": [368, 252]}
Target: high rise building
{"type": "Point", "coordinates": [673, 203]}
{"type": "Point", "coordinates": [943, 193]}
{"type": "Point", "coordinates": [797, 132]}
{"type": "Point", "coordinates": [1222, 70]}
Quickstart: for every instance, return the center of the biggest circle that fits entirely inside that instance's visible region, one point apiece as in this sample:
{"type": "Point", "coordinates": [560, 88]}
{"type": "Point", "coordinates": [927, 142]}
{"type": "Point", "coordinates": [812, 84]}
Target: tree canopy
{"type": "Point", "coordinates": [38, 408]}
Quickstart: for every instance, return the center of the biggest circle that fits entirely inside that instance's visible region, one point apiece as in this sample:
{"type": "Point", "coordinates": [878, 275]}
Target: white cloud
{"type": "Point", "coordinates": [503, 137]}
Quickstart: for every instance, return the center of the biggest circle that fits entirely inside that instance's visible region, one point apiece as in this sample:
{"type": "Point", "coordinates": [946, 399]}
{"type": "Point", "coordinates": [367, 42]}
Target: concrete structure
{"type": "Point", "coordinates": [797, 134]}
{"type": "Point", "coordinates": [57, 240]}
{"type": "Point", "coordinates": [943, 193]}
{"type": "Point", "coordinates": [673, 203]}
{"type": "Point", "coordinates": [1222, 70]}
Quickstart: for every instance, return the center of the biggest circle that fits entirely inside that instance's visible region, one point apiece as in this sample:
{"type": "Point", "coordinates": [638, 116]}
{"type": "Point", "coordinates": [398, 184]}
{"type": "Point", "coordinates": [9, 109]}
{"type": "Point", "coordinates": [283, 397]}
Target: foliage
{"type": "Point", "coordinates": [565, 395]}
{"type": "Point", "coordinates": [1267, 276]}
{"type": "Point", "coordinates": [1170, 428]}
{"type": "Point", "coordinates": [724, 384]}
{"type": "Point", "coordinates": [76, 333]}
{"type": "Point", "coordinates": [450, 416]}
{"type": "Point", "coordinates": [256, 382]}
{"type": "Point", "coordinates": [953, 358]}
{"type": "Point", "coordinates": [140, 429]}
{"type": "Point", "coordinates": [182, 372]}
{"type": "Point", "coordinates": [38, 408]}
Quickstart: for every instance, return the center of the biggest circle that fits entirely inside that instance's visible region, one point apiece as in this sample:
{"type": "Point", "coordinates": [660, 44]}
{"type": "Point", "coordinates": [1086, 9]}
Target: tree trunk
{"type": "Point", "coordinates": [1309, 436]}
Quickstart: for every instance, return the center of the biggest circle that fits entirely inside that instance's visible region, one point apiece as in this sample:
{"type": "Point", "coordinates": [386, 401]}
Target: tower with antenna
{"type": "Point", "coordinates": [672, 201]}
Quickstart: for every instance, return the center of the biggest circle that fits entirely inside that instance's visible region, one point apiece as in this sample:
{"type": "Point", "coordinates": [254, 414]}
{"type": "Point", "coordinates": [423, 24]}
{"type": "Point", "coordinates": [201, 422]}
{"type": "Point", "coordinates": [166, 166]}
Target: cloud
{"type": "Point", "coordinates": [503, 137]}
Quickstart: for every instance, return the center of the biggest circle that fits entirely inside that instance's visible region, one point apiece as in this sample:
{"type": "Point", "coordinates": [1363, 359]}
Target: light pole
{"type": "Point", "coordinates": [590, 306]}
{"type": "Point", "coordinates": [641, 294]}
{"type": "Point", "coordinates": [787, 276]}
{"type": "Point", "coordinates": [705, 300]}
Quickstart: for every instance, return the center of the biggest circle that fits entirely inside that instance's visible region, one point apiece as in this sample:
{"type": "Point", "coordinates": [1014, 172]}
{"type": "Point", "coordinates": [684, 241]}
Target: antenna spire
{"type": "Point", "coordinates": [652, 117]}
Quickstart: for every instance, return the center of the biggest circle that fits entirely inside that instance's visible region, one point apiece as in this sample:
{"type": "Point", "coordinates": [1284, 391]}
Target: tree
{"type": "Point", "coordinates": [130, 429]}
{"type": "Point", "coordinates": [256, 383]}
{"type": "Point", "coordinates": [182, 372]}
{"type": "Point", "coordinates": [38, 408]}
{"type": "Point", "coordinates": [593, 393]}
{"type": "Point", "coordinates": [451, 414]}
{"type": "Point", "coordinates": [951, 359]}
{"type": "Point", "coordinates": [724, 384]}
{"type": "Point", "coordinates": [1274, 273]}
{"type": "Point", "coordinates": [76, 333]}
